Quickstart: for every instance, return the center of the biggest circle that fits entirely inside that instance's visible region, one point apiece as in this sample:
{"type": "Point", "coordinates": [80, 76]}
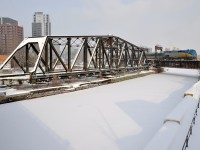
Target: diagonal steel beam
{"type": "Point", "coordinates": [53, 48]}
{"type": "Point", "coordinates": [60, 56]}
{"type": "Point", "coordinates": [41, 68]}
{"type": "Point", "coordinates": [15, 59]}
{"type": "Point", "coordinates": [77, 54]}
{"type": "Point", "coordinates": [37, 53]}
{"type": "Point", "coordinates": [140, 57]}
{"type": "Point", "coordinates": [92, 55]}
{"type": "Point", "coordinates": [41, 46]}
{"type": "Point", "coordinates": [104, 53]}
{"type": "Point", "coordinates": [121, 53]}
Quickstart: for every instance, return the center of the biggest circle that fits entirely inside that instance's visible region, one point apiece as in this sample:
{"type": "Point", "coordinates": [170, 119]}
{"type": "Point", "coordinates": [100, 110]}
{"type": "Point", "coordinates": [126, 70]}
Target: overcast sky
{"type": "Point", "coordinates": [169, 23]}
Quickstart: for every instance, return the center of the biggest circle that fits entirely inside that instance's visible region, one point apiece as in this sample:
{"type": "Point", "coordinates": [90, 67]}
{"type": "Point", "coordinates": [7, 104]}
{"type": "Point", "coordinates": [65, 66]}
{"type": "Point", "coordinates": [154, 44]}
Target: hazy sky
{"type": "Point", "coordinates": [170, 23]}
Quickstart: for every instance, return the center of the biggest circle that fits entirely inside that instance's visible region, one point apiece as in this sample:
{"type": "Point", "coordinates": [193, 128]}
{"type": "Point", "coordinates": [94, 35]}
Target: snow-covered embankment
{"type": "Point", "coordinates": [173, 133]}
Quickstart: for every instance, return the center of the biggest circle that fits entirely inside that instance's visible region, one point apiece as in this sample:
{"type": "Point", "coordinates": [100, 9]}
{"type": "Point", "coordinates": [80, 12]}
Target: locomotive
{"type": "Point", "coordinates": [189, 54]}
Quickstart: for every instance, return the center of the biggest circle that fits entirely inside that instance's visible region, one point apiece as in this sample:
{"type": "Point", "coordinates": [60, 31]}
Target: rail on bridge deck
{"type": "Point", "coordinates": [42, 57]}
{"type": "Point", "coordinates": [190, 64]}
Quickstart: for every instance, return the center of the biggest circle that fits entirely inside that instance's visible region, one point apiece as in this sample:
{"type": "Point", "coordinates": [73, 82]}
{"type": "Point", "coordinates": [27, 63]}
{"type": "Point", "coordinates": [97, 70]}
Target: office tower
{"type": "Point", "coordinates": [41, 25]}
{"type": "Point", "coordinates": [10, 35]}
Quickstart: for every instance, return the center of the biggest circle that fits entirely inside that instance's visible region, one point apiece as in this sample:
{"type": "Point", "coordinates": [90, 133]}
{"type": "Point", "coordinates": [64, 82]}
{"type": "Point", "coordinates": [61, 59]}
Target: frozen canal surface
{"type": "Point", "coordinates": [119, 116]}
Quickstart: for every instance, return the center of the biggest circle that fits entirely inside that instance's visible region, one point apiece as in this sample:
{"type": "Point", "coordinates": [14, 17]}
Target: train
{"type": "Point", "coordinates": [189, 54]}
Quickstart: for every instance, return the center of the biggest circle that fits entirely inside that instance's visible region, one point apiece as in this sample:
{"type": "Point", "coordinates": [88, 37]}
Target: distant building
{"type": "Point", "coordinates": [41, 25]}
{"type": "Point", "coordinates": [5, 20]}
{"type": "Point", "coordinates": [10, 35]}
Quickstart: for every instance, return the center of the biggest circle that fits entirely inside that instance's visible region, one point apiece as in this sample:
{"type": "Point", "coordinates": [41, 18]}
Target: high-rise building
{"type": "Point", "coordinates": [10, 35]}
{"type": "Point", "coordinates": [41, 25]}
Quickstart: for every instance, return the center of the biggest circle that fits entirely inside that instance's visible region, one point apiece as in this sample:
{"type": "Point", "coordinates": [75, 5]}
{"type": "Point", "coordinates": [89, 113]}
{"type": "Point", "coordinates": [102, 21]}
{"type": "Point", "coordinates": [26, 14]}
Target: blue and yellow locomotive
{"type": "Point", "coordinates": [189, 54]}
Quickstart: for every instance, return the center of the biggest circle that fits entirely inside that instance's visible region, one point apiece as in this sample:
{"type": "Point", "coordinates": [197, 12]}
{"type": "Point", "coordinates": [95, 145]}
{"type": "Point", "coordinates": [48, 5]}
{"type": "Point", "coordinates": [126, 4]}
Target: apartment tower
{"type": "Point", "coordinates": [41, 25]}
{"type": "Point", "coordinates": [10, 35]}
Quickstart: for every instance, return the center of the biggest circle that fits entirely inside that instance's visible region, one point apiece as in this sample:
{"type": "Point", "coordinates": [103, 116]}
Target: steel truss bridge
{"type": "Point", "coordinates": [65, 56]}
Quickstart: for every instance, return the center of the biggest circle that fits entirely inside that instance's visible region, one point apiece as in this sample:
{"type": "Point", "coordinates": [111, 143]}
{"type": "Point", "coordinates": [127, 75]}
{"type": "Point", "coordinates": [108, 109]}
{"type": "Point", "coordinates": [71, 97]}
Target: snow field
{"type": "Point", "coordinates": [120, 116]}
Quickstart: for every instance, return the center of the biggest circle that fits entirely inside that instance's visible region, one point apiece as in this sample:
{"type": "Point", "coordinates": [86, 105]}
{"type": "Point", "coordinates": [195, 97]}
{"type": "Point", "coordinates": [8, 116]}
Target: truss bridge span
{"type": "Point", "coordinates": [64, 56]}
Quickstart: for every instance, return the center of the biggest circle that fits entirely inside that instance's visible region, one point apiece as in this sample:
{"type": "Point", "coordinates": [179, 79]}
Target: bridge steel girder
{"type": "Point", "coordinates": [46, 56]}
{"type": "Point", "coordinates": [188, 64]}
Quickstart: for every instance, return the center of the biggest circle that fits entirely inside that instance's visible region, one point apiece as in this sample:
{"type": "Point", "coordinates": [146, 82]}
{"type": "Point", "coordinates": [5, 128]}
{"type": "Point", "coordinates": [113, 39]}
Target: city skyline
{"type": "Point", "coordinates": [173, 23]}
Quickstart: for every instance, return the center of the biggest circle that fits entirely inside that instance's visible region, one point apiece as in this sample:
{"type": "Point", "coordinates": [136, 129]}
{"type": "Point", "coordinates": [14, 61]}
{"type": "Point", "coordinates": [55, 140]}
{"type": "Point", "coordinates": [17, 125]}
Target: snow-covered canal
{"type": "Point", "coordinates": [119, 116]}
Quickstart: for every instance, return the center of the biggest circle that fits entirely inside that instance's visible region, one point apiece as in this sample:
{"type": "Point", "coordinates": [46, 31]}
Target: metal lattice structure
{"type": "Point", "coordinates": [68, 55]}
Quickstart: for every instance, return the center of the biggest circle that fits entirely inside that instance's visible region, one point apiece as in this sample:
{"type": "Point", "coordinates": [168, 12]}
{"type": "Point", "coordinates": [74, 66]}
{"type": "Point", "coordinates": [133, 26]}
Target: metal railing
{"type": "Point", "coordinates": [185, 145]}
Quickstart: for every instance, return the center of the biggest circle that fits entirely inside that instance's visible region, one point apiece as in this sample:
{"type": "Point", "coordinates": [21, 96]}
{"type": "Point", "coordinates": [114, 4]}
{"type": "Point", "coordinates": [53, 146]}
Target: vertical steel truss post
{"type": "Point", "coordinates": [116, 53]}
{"type": "Point", "coordinates": [105, 55]}
{"type": "Point", "coordinates": [126, 56]}
{"type": "Point", "coordinates": [85, 54]}
{"type": "Point", "coordinates": [46, 58]}
{"type": "Point", "coordinates": [102, 54]}
{"type": "Point", "coordinates": [27, 58]}
{"type": "Point", "coordinates": [99, 57]}
{"type": "Point", "coordinates": [50, 57]}
{"type": "Point", "coordinates": [69, 53]}
{"type": "Point", "coordinates": [111, 51]}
